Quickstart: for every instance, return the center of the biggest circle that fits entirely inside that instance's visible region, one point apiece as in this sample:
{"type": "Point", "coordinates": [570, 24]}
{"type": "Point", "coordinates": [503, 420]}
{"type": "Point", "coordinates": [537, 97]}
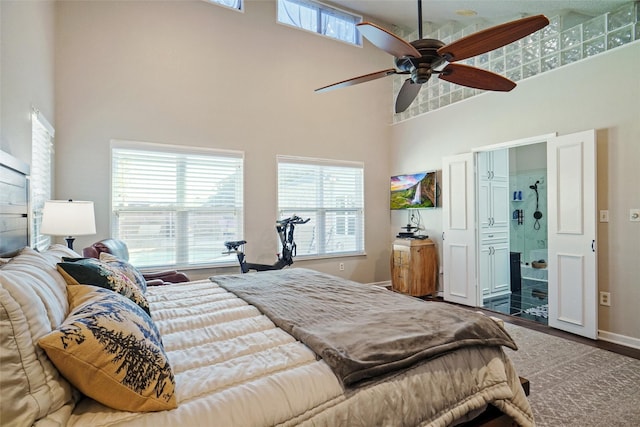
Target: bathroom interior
{"type": "Point", "coordinates": [528, 296]}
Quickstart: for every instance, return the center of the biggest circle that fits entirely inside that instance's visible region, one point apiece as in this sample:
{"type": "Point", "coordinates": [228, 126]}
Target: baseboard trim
{"type": "Point", "coordinates": [619, 339]}
{"type": "Point", "coordinates": [384, 284]}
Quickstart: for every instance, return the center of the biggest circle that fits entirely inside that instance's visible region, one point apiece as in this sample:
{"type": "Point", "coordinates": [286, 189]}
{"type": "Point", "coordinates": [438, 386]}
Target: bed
{"type": "Point", "coordinates": [239, 350]}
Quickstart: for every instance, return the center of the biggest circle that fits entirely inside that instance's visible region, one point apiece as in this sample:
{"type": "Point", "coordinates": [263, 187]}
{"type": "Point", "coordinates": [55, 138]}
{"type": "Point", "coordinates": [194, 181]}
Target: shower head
{"type": "Point", "coordinates": [535, 186]}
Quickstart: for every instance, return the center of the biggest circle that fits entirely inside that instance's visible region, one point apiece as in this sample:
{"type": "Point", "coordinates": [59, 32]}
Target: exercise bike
{"type": "Point", "coordinates": [285, 228]}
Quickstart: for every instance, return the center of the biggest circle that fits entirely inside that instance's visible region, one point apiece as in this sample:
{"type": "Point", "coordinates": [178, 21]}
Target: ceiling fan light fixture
{"type": "Point", "coordinates": [423, 57]}
{"type": "Point", "coordinates": [466, 12]}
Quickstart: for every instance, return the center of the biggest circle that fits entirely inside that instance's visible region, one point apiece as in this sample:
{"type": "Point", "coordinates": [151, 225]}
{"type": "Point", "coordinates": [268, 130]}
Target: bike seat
{"type": "Point", "coordinates": [234, 244]}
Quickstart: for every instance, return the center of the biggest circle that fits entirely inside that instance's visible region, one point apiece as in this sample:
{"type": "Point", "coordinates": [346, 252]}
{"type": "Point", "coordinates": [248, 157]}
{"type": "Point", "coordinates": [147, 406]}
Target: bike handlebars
{"type": "Point", "coordinates": [295, 219]}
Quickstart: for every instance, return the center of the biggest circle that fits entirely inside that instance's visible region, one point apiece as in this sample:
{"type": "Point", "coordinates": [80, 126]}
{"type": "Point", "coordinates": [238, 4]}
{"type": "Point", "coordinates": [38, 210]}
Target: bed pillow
{"type": "Point", "coordinates": [33, 302]}
{"type": "Point", "coordinates": [90, 271]}
{"type": "Point", "coordinates": [111, 350]}
{"type": "Point", "coordinates": [127, 269]}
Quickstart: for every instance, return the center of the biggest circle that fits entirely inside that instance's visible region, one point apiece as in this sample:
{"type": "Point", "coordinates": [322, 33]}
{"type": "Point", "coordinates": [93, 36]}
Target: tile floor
{"type": "Point", "coordinates": [533, 293]}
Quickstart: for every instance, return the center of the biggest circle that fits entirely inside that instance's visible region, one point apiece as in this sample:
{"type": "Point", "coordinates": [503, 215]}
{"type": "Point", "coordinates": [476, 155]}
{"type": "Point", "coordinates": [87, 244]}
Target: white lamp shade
{"type": "Point", "coordinates": [68, 218]}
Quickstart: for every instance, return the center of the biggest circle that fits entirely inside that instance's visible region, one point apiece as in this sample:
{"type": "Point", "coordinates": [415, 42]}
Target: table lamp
{"type": "Point", "coordinates": [68, 218]}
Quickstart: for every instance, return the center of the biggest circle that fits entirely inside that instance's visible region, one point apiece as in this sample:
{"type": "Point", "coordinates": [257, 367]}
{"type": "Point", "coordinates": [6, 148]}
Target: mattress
{"type": "Point", "coordinates": [234, 367]}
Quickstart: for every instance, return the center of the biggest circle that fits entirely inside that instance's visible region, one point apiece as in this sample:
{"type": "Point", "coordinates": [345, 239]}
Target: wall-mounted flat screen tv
{"type": "Point", "coordinates": [414, 191]}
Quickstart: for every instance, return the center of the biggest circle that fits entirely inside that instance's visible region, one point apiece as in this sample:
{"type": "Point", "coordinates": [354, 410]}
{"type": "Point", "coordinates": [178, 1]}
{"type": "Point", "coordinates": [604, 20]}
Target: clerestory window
{"type": "Point", "coordinates": [320, 18]}
{"type": "Point", "coordinates": [233, 4]}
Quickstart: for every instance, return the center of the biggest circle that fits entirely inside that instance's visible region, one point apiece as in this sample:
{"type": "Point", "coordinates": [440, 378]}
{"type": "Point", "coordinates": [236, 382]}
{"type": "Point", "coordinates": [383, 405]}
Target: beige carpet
{"type": "Point", "coordinates": [573, 384]}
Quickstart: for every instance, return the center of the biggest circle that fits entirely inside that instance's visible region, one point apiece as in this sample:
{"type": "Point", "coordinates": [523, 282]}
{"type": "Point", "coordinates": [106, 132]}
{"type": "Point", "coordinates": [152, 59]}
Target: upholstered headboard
{"type": "Point", "coordinates": [14, 204]}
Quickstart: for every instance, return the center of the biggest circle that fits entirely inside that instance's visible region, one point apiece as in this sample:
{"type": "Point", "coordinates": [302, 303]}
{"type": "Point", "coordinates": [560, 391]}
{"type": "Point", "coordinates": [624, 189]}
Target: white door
{"type": "Point", "coordinates": [458, 239]}
{"type": "Point", "coordinates": [572, 264]}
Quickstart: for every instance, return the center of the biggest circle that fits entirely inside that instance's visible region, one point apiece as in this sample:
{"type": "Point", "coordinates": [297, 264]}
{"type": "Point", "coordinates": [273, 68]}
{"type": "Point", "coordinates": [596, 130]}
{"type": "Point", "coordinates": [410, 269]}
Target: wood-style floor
{"type": "Point", "coordinates": [525, 323]}
{"type": "Point", "coordinates": [531, 324]}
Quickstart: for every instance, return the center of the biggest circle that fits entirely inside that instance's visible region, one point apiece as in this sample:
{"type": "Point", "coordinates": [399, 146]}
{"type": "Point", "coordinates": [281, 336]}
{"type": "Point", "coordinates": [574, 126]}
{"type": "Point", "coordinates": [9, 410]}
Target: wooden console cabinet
{"type": "Point", "coordinates": [414, 267]}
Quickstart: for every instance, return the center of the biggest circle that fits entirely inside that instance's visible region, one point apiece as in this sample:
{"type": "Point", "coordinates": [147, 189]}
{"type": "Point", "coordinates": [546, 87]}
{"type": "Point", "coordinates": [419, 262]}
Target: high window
{"type": "Point", "coordinates": [320, 18]}
{"type": "Point", "coordinates": [175, 206]}
{"type": "Point", "coordinates": [41, 173]}
{"type": "Point", "coordinates": [329, 192]}
{"type": "Point", "coordinates": [233, 4]}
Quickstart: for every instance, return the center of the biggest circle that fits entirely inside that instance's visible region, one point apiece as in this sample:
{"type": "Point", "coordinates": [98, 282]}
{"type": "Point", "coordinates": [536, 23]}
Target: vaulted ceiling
{"type": "Point", "coordinates": [404, 13]}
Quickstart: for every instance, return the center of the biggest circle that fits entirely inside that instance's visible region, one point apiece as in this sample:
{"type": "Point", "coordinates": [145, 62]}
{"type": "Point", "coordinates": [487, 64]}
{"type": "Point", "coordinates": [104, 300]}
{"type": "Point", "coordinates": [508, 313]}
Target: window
{"type": "Point", "coordinates": [331, 194]}
{"type": "Point", "coordinates": [41, 172]}
{"type": "Point", "coordinates": [321, 19]}
{"type": "Point", "coordinates": [175, 206]}
{"type": "Point", "coordinates": [233, 4]}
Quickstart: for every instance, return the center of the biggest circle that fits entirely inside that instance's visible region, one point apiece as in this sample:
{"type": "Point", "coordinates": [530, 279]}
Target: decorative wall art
{"type": "Point", "coordinates": [414, 191]}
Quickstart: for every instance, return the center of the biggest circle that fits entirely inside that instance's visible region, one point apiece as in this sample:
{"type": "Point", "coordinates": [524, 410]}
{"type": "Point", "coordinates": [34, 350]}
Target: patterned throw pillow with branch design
{"type": "Point", "coordinates": [90, 271]}
{"type": "Point", "coordinates": [110, 349]}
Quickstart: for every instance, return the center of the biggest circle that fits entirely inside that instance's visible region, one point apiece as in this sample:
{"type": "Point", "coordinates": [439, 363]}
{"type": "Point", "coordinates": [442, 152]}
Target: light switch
{"type": "Point", "coordinates": [604, 216]}
{"type": "Point", "coordinates": [634, 215]}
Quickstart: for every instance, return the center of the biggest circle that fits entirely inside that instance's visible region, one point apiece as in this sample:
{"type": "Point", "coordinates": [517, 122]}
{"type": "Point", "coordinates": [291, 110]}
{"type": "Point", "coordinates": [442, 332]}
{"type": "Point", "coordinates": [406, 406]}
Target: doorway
{"type": "Point", "coordinates": [468, 239]}
{"type": "Point", "coordinates": [520, 277]}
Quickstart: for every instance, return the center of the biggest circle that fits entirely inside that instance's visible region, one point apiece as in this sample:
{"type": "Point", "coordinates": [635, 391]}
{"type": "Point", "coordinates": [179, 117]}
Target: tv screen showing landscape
{"type": "Point", "coordinates": [414, 191]}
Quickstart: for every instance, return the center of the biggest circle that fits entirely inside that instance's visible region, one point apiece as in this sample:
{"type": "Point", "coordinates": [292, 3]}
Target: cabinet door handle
{"type": "Point", "coordinates": [490, 235]}
{"type": "Point", "coordinates": [443, 236]}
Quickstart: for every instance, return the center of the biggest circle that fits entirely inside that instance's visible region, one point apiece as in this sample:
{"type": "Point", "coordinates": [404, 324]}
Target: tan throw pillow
{"type": "Point", "coordinates": [111, 350]}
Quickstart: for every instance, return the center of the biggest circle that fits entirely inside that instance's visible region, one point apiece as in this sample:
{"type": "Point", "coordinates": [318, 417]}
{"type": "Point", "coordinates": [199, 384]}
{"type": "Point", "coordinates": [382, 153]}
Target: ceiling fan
{"type": "Point", "coordinates": [423, 57]}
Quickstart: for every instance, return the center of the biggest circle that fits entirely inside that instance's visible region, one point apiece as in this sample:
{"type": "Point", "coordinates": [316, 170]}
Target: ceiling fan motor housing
{"type": "Point", "coordinates": [420, 68]}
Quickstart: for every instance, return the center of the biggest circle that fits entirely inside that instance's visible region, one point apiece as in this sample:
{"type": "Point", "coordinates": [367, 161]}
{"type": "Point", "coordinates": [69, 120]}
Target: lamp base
{"type": "Point", "coordinates": [70, 242]}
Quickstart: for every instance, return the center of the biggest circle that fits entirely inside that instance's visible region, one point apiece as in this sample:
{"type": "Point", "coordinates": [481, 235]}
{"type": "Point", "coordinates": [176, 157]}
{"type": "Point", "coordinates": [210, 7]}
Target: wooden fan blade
{"type": "Point", "coordinates": [407, 94]}
{"type": "Point", "coordinates": [478, 78]}
{"type": "Point", "coordinates": [492, 38]}
{"type": "Point", "coordinates": [357, 80]}
{"type": "Point", "coordinates": [387, 41]}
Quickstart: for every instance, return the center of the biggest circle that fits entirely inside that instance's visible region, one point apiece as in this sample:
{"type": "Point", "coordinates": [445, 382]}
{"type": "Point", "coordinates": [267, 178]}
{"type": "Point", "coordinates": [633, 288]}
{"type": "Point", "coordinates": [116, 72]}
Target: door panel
{"type": "Point", "coordinates": [500, 164]}
{"type": "Point", "coordinates": [459, 242]}
{"type": "Point", "coordinates": [572, 266]}
{"type": "Point", "coordinates": [500, 205]}
{"type": "Point", "coordinates": [501, 268]}
{"type": "Point", "coordinates": [484, 269]}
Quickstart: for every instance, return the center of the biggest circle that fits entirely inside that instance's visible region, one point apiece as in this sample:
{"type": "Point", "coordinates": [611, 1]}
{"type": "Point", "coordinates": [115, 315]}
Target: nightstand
{"type": "Point", "coordinates": [414, 267]}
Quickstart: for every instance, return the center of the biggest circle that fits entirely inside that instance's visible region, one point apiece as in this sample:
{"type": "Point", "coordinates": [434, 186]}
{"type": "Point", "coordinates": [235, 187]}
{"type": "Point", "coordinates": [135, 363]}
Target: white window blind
{"type": "Point", "coordinates": [320, 18]}
{"type": "Point", "coordinates": [42, 134]}
{"type": "Point", "coordinates": [175, 206]}
{"type": "Point", "coordinates": [331, 193]}
{"type": "Point", "coordinates": [233, 4]}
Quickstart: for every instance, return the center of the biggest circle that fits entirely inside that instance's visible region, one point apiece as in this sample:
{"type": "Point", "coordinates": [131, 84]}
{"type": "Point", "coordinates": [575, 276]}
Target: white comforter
{"type": "Point", "coordinates": [234, 368]}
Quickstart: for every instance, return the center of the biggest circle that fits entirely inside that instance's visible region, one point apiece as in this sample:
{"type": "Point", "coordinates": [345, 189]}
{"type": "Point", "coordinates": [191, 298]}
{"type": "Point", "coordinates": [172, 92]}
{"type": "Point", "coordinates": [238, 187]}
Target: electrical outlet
{"type": "Point", "coordinates": [605, 299]}
{"type": "Point", "coordinates": [341, 266]}
{"type": "Point", "coordinates": [604, 216]}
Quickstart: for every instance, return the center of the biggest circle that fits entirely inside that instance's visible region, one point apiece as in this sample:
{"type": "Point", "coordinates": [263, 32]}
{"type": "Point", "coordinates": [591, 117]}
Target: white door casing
{"type": "Point", "coordinates": [572, 216]}
{"type": "Point", "coordinates": [459, 236]}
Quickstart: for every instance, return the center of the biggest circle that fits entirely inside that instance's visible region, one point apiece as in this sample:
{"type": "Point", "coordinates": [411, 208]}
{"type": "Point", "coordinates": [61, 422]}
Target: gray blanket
{"type": "Point", "coordinates": [361, 331]}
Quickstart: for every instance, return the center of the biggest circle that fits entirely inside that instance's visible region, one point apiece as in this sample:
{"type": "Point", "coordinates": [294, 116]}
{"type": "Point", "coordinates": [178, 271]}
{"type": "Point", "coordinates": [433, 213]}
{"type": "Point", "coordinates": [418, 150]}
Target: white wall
{"type": "Point", "coordinates": [26, 71]}
{"type": "Point", "coordinates": [602, 93]}
{"type": "Point", "coordinates": [196, 74]}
